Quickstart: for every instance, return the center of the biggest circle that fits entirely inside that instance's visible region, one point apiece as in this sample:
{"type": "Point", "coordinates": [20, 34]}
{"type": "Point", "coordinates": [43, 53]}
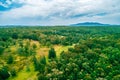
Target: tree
{"type": "Point", "coordinates": [4, 74]}
{"type": "Point", "coordinates": [13, 72]}
{"type": "Point", "coordinates": [43, 60]}
{"type": "Point", "coordinates": [34, 46]}
{"type": "Point", "coordinates": [36, 63]}
{"type": "Point", "coordinates": [15, 36]}
{"type": "Point", "coordinates": [52, 53]}
{"type": "Point", "coordinates": [1, 50]}
{"type": "Point", "coordinates": [117, 77]}
{"type": "Point", "coordinates": [42, 64]}
{"type": "Point", "coordinates": [39, 65]}
{"type": "Point", "coordinates": [10, 59]}
{"type": "Point", "coordinates": [42, 77]}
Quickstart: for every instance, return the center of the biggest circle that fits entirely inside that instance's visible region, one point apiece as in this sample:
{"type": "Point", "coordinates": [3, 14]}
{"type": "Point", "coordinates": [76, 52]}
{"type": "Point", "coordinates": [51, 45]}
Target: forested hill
{"type": "Point", "coordinates": [91, 24]}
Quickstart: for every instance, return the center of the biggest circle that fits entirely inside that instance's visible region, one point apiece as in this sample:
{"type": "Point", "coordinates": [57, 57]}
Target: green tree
{"type": "Point", "coordinates": [13, 72]}
{"type": "Point", "coordinates": [34, 46]}
{"type": "Point", "coordinates": [52, 53]}
{"type": "Point", "coordinates": [42, 64]}
{"type": "Point", "coordinates": [1, 50]}
{"type": "Point", "coordinates": [10, 59]}
{"type": "Point", "coordinates": [36, 63]}
{"type": "Point", "coordinates": [4, 74]}
{"type": "Point", "coordinates": [42, 77]}
{"type": "Point", "coordinates": [43, 60]}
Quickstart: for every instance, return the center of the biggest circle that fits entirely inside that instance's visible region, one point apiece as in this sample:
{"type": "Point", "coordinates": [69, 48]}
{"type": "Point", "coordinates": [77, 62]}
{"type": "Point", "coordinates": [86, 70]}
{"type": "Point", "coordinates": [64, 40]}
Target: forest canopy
{"type": "Point", "coordinates": [60, 53]}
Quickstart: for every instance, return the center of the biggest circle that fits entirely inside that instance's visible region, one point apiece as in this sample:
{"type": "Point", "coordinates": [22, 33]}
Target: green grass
{"type": "Point", "coordinates": [31, 75]}
{"type": "Point", "coordinates": [25, 75]}
{"type": "Point", "coordinates": [59, 49]}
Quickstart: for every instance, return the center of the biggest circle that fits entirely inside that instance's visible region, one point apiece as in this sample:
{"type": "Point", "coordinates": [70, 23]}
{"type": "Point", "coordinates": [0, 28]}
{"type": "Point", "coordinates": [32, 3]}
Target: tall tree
{"type": "Point", "coordinates": [52, 53]}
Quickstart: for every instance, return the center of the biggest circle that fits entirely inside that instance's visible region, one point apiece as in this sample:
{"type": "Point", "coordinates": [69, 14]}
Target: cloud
{"type": "Point", "coordinates": [4, 5]}
{"type": "Point", "coordinates": [60, 11]}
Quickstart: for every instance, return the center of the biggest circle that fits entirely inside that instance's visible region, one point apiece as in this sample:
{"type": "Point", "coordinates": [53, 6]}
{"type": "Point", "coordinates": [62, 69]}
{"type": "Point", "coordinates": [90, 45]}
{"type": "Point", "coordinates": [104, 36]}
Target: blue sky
{"type": "Point", "coordinates": [58, 12]}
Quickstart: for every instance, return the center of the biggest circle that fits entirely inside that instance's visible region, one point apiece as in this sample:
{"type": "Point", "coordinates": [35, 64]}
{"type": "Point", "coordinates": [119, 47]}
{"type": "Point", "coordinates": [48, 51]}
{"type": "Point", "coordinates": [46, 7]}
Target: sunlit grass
{"type": "Point", "coordinates": [40, 51]}
{"type": "Point", "coordinates": [59, 49]}
{"type": "Point", "coordinates": [25, 75]}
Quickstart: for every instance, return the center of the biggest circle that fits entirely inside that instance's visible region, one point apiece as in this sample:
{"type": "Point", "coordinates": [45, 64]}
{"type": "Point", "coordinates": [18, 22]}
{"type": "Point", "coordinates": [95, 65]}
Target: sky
{"type": "Point", "coordinates": [58, 12]}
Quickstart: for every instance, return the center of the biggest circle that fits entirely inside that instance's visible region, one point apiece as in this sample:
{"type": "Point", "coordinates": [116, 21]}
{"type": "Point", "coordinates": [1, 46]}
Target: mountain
{"type": "Point", "coordinates": [90, 24]}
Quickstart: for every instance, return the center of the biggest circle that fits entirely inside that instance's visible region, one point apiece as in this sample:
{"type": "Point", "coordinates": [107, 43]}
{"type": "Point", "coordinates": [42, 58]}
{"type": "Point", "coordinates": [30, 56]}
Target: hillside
{"type": "Point", "coordinates": [90, 24]}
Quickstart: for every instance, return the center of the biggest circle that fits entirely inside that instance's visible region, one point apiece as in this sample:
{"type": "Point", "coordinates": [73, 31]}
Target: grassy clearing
{"type": "Point", "coordinates": [40, 51]}
{"type": "Point", "coordinates": [25, 75]}
{"type": "Point", "coordinates": [59, 49]}
{"type": "Point", "coordinates": [43, 51]}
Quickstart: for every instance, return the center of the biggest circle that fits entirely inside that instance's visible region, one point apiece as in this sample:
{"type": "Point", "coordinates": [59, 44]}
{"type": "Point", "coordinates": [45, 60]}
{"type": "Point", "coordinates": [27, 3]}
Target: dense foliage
{"type": "Point", "coordinates": [89, 60]}
{"type": "Point", "coordinates": [94, 53]}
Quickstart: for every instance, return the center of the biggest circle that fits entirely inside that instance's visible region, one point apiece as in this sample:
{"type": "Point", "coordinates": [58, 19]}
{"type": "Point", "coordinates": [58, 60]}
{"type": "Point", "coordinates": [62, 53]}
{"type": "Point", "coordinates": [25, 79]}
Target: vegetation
{"type": "Point", "coordinates": [52, 53]}
{"type": "Point", "coordinates": [4, 73]}
{"type": "Point", "coordinates": [10, 59]}
{"type": "Point", "coordinates": [60, 53]}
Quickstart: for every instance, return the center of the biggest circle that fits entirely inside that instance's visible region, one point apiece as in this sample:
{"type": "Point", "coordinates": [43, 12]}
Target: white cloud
{"type": "Point", "coordinates": [4, 5]}
{"type": "Point", "coordinates": [62, 11]}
